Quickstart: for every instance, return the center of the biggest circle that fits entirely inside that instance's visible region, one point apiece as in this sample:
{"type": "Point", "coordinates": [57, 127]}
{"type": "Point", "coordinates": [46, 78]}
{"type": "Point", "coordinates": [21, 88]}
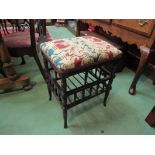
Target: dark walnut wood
{"type": "Point", "coordinates": [89, 81]}
{"type": "Point", "coordinates": [150, 119]}
{"type": "Point", "coordinates": [138, 32]}
{"type": "Point", "coordinates": [144, 28]}
{"type": "Point", "coordinates": [108, 21]}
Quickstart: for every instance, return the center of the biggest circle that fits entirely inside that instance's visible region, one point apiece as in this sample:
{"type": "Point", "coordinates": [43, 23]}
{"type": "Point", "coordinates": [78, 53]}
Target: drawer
{"type": "Point", "coordinates": [141, 26]}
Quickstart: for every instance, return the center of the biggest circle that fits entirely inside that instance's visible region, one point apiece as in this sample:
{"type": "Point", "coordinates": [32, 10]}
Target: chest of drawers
{"type": "Point", "coordinates": [140, 32]}
{"type": "Point", "coordinates": [140, 26]}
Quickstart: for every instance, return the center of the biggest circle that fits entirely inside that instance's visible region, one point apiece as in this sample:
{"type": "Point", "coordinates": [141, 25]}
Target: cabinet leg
{"type": "Point", "coordinates": [145, 52]}
{"type": "Point", "coordinates": [150, 119]}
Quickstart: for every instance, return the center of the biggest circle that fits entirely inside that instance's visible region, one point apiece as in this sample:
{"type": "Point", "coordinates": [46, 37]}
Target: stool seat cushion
{"type": "Point", "coordinates": [72, 53]}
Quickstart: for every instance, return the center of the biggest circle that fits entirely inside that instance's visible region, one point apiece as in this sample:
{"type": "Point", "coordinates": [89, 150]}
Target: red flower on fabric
{"type": "Point", "coordinates": [69, 52]}
{"type": "Point", "coordinates": [77, 61]}
{"type": "Point", "coordinates": [110, 54]}
{"type": "Point", "coordinates": [91, 28]}
{"type": "Point", "coordinates": [60, 45]}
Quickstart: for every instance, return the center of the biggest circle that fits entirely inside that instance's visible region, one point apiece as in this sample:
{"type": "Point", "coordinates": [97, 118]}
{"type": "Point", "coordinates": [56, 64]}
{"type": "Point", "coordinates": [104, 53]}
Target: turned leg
{"type": "Point", "coordinates": [65, 118]}
{"type": "Point", "coordinates": [23, 60]}
{"type": "Point", "coordinates": [150, 119]}
{"type": "Point", "coordinates": [105, 97]}
{"type": "Point", "coordinates": [110, 83]}
{"type": "Point", "coordinates": [145, 52]}
{"type": "Point", "coordinates": [39, 65]}
{"type": "Point", "coordinates": [47, 78]}
{"type": "Point", "coordinates": [64, 100]}
{"type": "Point", "coordinates": [107, 91]}
{"type": "Point", "coordinates": [5, 26]}
{"type": "Point", "coordinates": [77, 29]}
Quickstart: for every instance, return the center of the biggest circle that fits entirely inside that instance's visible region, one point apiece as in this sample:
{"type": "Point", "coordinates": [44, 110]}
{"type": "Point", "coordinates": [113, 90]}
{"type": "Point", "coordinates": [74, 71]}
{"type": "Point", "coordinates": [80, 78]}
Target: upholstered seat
{"type": "Point", "coordinates": [79, 69]}
{"type": "Point", "coordinates": [24, 43]}
{"type": "Point", "coordinates": [22, 39]}
{"type": "Point", "coordinates": [73, 53]}
{"type": "Point", "coordinates": [19, 39]}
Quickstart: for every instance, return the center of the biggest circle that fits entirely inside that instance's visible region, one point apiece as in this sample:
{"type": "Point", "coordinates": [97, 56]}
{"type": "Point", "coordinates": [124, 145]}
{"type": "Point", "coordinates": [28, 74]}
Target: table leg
{"type": "Point", "coordinates": [145, 53]}
{"type": "Point", "coordinates": [64, 100]}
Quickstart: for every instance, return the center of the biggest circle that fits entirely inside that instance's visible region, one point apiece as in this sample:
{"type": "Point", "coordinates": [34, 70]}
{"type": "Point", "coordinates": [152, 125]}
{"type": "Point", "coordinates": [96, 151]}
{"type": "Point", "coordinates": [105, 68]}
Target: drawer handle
{"type": "Point", "coordinates": [142, 22]}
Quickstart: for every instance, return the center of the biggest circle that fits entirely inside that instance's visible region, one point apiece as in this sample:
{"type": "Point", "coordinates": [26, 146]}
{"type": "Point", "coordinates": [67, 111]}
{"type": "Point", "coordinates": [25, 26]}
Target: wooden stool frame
{"type": "Point", "coordinates": [89, 81]}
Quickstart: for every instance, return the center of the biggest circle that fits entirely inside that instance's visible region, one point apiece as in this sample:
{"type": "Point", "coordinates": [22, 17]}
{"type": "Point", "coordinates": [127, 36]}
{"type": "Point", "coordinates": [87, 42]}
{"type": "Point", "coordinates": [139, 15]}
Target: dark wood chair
{"type": "Point", "coordinates": [10, 78]}
{"type": "Point", "coordinates": [3, 26]}
{"type": "Point", "coordinates": [17, 24]}
{"type": "Point", "coordinates": [24, 43]}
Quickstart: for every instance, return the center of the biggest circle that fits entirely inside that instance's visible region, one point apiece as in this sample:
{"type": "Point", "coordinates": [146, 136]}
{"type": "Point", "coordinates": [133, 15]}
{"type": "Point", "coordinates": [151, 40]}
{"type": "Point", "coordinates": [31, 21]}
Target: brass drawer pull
{"type": "Point", "coordinates": [142, 22]}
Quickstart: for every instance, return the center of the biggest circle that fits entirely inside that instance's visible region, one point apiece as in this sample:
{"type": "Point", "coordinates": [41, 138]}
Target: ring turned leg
{"type": "Point", "coordinates": [145, 52]}
{"type": "Point", "coordinates": [105, 97]}
{"type": "Point", "coordinates": [113, 69]}
{"type": "Point", "coordinates": [64, 99]}
{"type": "Point", "coordinates": [150, 119]}
{"type": "Point", "coordinates": [65, 118]}
{"type": "Point", "coordinates": [108, 89]}
{"type": "Point", "coordinates": [47, 77]}
{"type": "Point", "coordinates": [23, 60]}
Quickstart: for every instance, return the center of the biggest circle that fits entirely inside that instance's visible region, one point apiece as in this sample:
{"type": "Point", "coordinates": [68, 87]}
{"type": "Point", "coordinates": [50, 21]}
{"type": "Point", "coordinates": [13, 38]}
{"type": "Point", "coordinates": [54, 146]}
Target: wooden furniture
{"type": "Point", "coordinates": [11, 79]}
{"type": "Point", "coordinates": [150, 119]}
{"type": "Point", "coordinates": [3, 26]}
{"type": "Point", "coordinates": [139, 32]}
{"type": "Point", "coordinates": [17, 24]}
{"type": "Point", "coordinates": [58, 22]}
{"type": "Point", "coordinates": [24, 43]}
{"type": "Point", "coordinates": [120, 64]}
{"type": "Point", "coordinates": [76, 69]}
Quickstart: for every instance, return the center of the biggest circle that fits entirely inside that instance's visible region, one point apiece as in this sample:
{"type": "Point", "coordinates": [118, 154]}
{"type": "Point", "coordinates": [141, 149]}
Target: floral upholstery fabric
{"type": "Point", "coordinates": [72, 53]}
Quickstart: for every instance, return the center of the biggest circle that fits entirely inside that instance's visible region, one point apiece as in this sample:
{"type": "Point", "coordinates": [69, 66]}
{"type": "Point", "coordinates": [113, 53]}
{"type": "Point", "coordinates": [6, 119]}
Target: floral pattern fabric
{"type": "Point", "coordinates": [72, 53]}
